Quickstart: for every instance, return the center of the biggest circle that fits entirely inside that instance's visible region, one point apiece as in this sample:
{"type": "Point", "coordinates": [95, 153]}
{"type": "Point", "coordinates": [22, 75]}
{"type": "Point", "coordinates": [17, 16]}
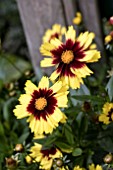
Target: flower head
{"type": "Point", "coordinates": [70, 58]}
{"type": "Point", "coordinates": [107, 115]}
{"type": "Point", "coordinates": [78, 19]}
{"type": "Point", "coordinates": [41, 104]}
{"type": "Point", "coordinates": [44, 156]}
{"type": "Point", "coordinates": [56, 32]}
{"type": "Point", "coordinates": [93, 167]}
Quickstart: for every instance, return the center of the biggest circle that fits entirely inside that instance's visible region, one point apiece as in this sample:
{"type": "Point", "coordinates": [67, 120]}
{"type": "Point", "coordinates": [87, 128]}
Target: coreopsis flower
{"type": "Point", "coordinates": [78, 168]}
{"type": "Point", "coordinates": [78, 18]}
{"type": "Point", "coordinates": [44, 156]}
{"type": "Point", "coordinates": [107, 115]}
{"type": "Point", "coordinates": [56, 32]}
{"type": "Point", "coordinates": [70, 58]}
{"type": "Point", "coordinates": [93, 167]}
{"type": "Point", "coordinates": [41, 104]}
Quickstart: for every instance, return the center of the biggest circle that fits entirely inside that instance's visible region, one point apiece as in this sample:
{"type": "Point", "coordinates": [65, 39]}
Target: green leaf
{"type": "Point", "coordinates": [88, 97]}
{"type": "Point", "coordinates": [23, 137]}
{"type": "Point", "coordinates": [63, 146]}
{"type": "Point", "coordinates": [1, 129]}
{"type": "Point", "coordinates": [12, 67]}
{"type": "Point", "coordinates": [69, 134]}
{"type": "Point", "coordinates": [109, 88]}
{"type": "Point", "coordinates": [77, 152]}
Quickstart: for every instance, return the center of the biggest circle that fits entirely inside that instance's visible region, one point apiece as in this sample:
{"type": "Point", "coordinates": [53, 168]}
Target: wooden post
{"type": "Point", "coordinates": [39, 15]}
{"type": "Point", "coordinates": [92, 21]}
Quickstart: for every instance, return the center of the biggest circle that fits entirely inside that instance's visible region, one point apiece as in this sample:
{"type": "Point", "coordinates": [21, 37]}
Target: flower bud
{"type": "Point", "coordinates": [86, 106]}
{"type": "Point", "coordinates": [108, 158]}
{"type": "Point", "coordinates": [59, 162]}
{"type": "Point", "coordinates": [19, 148]}
{"type": "Point", "coordinates": [11, 163]}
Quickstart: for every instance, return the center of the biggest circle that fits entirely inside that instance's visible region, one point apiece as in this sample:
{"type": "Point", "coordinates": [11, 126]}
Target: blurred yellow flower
{"type": "Point", "coordinates": [78, 19]}
{"type": "Point", "coordinates": [108, 39]}
{"type": "Point", "coordinates": [107, 115]}
{"type": "Point", "coordinates": [56, 32]}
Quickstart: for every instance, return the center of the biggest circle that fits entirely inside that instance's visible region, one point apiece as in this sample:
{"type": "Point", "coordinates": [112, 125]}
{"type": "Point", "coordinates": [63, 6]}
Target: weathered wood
{"type": "Point", "coordinates": [70, 9]}
{"type": "Point", "coordinates": [37, 16]}
{"type": "Point", "coordinates": [92, 21]}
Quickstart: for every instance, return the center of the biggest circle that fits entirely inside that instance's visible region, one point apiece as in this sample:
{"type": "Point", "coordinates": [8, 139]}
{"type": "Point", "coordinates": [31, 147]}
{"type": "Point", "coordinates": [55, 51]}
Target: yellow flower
{"type": "Point", "coordinates": [70, 58]}
{"type": "Point", "coordinates": [45, 156]}
{"type": "Point", "coordinates": [78, 168]}
{"type": "Point", "coordinates": [41, 104]}
{"type": "Point", "coordinates": [93, 167]}
{"type": "Point", "coordinates": [107, 115]}
{"type": "Point", "coordinates": [108, 39]}
{"type": "Point", "coordinates": [78, 19]}
{"type": "Point", "coordinates": [56, 32]}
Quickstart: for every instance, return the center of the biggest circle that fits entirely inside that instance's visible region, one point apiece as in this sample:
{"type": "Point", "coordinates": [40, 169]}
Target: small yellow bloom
{"type": "Point", "coordinates": [93, 167]}
{"type": "Point", "coordinates": [107, 115]}
{"type": "Point", "coordinates": [78, 19]}
{"type": "Point", "coordinates": [108, 39]}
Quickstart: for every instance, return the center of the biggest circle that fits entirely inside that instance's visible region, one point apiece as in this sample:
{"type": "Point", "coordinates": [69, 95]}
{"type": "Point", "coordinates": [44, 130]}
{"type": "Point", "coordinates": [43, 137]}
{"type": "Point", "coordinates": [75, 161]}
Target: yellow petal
{"type": "Point", "coordinates": [70, 34]}
{"type": "Point", "coordinates": [90, 56]}
{"type": "Point", "coordinates": [62, 100]}
{"type": "Point", "coordinates": [20, 112]}
{"type": "Point", "coordinates": [46, 48]}
{"type": "Point", "coordinates": [54, 75]}
{"type": "Point", "coordinates": [44, 83]}
{"type": "Point", "coordinates": [89, 40]}
{"type": "Point", "coordinates": [75, 82]}
{"type": "Point", "coordinates": [46, 62]}
{"type": "Point", "coordinates": [56, 42]}
{"type": "Point", "coordinates": [25, 99]}
{"type": "Point", "coordinates": [30, 87]}
{"type": "Point", "coordinates": [56, 87]}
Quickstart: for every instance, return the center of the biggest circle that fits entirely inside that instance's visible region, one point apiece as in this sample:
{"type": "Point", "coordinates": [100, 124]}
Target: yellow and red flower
{"type": "Point", "coordinates": [56, 32]}
{"type": "Point", "coordinates": [41, 104]}
{"type": "Point", "coordinates": [70, 58]}
{"type": "Point", "coordinates": [107, 115]}
{"type": "Point", "coordinates": [44, 156]}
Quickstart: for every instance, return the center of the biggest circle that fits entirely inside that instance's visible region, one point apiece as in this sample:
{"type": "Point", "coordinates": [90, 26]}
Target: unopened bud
{"type": "Point", "coordinates": [59, 162]}
{"type": "Point", "coordinates": [19, 148]}
{"type": "Point", "coordinates": [108, 158]}
{"type": "Point", "coordinates": [11, 163]}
